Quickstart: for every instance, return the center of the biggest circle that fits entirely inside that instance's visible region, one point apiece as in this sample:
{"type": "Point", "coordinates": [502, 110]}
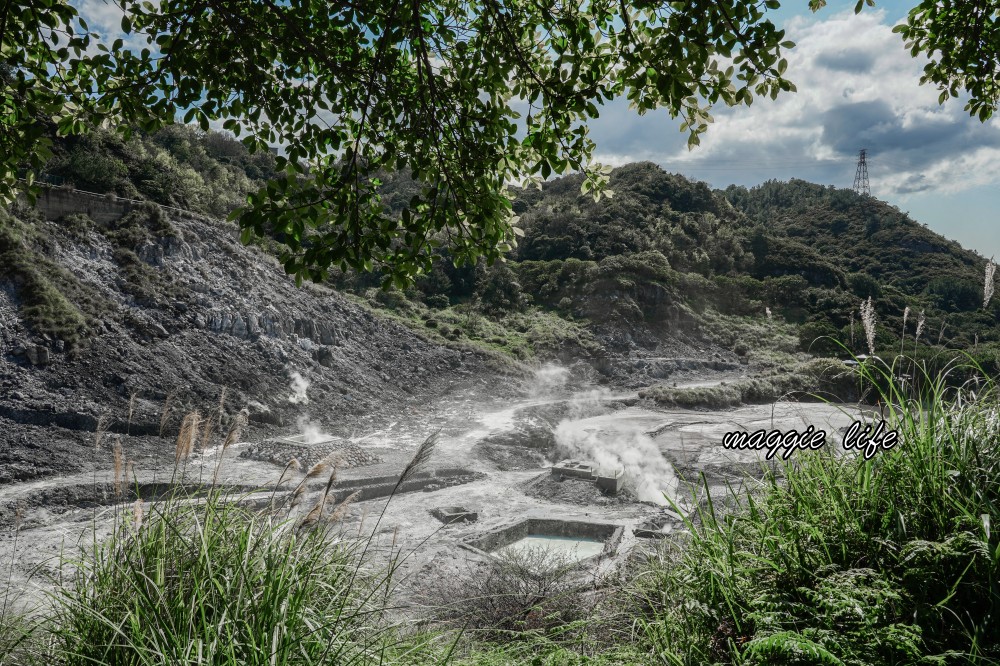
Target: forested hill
{"type": "Point", "coordinates": [809, 252]}
{"type": "Point", "coordinates": [861, 234]}
{"type": "Point", "coordinates": [654, 257]}
{"type": "Point", "coordinates": [831, 237]}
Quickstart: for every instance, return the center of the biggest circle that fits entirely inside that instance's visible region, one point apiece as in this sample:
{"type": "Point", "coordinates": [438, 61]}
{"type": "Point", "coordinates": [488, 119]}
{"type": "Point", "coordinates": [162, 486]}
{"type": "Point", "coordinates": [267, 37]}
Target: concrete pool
{"type": "Point", "coordinates": [570, 548]}
{"type": "Point", "coordinates": [575, 540]}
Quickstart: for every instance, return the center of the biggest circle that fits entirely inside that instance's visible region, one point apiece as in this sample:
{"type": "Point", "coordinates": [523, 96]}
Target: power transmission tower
{"type": "Point", "coordinates": [861, 177]}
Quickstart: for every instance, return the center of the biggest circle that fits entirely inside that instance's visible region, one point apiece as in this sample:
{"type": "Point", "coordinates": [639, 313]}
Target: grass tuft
{"type": "Point", "coordinates": [842, 560]}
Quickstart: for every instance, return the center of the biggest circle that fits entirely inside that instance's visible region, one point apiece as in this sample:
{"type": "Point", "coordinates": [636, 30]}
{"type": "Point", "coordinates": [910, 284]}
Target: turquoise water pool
{"type": "Point", "coordinates": [573, 548]}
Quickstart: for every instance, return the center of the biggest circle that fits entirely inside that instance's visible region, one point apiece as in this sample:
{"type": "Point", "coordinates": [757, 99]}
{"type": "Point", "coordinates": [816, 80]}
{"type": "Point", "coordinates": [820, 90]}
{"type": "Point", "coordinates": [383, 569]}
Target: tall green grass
{"type": "Point", "coordinates": [829, 559]}
{"type": "Point", "coordinates": [214, 578]}
{"type": "Point", "coordinates": [835, 559]}
{"type": "Point", "coordinates": [218, 583]}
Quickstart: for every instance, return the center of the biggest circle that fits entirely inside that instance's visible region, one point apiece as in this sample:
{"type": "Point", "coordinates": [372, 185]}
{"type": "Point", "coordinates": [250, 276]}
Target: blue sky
{"type": "Point", "coordinates": [858, 87]}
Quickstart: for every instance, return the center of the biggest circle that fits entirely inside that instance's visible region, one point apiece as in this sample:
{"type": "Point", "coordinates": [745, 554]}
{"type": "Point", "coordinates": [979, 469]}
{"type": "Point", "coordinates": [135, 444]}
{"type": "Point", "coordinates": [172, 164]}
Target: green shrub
{"type": "Point", "coordinates": [208, 578]}
{"type": "Point", "coordinates": [212, 582]}
{"type": "Point", "coordinates": [78, 225]}
{"type": "Point", "coordinates": [499, 291]}
{"type": "Point", "coordinates": [845, 560]}
{"type": "Point", "coordinates": [38, 282]}
{"type": "Point", "coordinates": [437, 301]}
{"type": "Point", "coordinates": [146, 221]}
{"type": "Point", "coordinates": [393, 299]}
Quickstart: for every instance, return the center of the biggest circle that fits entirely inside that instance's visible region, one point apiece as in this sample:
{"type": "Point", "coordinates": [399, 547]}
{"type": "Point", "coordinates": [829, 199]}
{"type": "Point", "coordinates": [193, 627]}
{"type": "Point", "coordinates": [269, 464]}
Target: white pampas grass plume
{"type": "Point", "coordinates": [316, 513]}
{"type": "Point", "coordinates": [101, 431]}
{"type": "Point", "coordinates": [119, 470]}
{"type": "Point", "coordinates": [868, 322]}
{"type": "Point", "coordinates": [341, 510]}
{"type": "Point", "coordinates": [902, 340]}
{"type": "Point", "coordinates": [137, 514]}
{"type": "Point", "coordinates": [187, 436]}
{"type": "Point", "coordinates": [316, 470]}
{"type": "Point", "coordinates": [988, 282]}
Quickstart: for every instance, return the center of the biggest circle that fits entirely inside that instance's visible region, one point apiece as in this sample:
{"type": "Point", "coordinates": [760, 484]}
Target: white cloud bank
{"type": "Point", "coordinates": [858, 87]}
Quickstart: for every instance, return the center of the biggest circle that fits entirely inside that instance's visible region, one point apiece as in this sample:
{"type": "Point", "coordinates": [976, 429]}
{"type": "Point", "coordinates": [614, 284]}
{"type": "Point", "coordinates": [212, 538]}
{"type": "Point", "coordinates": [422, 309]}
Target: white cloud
{"type": "Point", "coordinates": [858, 87]}
{"type": "Point", "coordinates": [105, 18]}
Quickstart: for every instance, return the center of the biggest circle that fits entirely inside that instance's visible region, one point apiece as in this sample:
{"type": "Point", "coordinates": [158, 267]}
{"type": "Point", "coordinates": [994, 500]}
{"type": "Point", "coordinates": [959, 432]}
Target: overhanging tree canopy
{"type": "Point", "coordinates": [468, 95]}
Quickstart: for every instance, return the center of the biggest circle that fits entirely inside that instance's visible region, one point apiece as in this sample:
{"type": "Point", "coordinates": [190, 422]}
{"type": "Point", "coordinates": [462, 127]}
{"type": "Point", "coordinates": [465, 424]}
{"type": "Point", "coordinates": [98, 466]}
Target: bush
{"type": "Point", "coordinates": [41, 284]}
{"type": "Point", "coordinates": [846, 560]}
{"type": "Point", "coordinates": [394, 299]}
{"type": "Point", "coordinates": [208, 578]}
{"type": "Point", "coordinates": [499, 291]}
{"type": "Point", "coordinates": [176, 589]}
{"type": "Point", "coordinates": [437, 301]}
{"type": "Point", "coordinates": [516, 594]}
{"type": "Point", "coordinates": [819, 337]}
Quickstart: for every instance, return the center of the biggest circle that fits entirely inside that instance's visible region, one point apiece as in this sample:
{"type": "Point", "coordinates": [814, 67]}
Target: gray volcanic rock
{"type": "Point", "coordinates": [200, 314]}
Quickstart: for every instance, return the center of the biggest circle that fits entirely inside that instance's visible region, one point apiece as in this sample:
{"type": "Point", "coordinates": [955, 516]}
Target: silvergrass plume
{"type": "Point", "coordinates": [297, 495]}
{"type": "Point", "coordinates": [165, 414]}
{"type": "Point", "coordinates": [419, 459]}
{"type": "Point", "coordinates": [941, 332]}
{"type": "Point", "coordinates": [317, 511]}
{"type": "Point", "coordinates": [920, 327]}
{"type": "Point", "coordinates": [314, 514]}
{"type": "Point", "coordinates": [131, 411]}
{"type": "Point", "coordinates": [213, 421]}
{"type": "Point", "coordinates": [333, 478]}
{"type": "Point", "coordinates": [293, 466]}
{"type": "Point", "coordinates": [902, 340]}
{"type": "Point", "coordinates": [137, 514]}
{"type": "Point", "coordinates": [341, 510]}
{"type": "Point", "coordinates": [102, 429]}
{"type": "Point", "coordinates": [187, 436]}
{"type": "Point", "coordinates": [314, 471]}
{"type": "Point", "coordinates": [988, 282]}
{"type": "Point", "coordinates": [236, 429]}
{"type": "Point", "coordinates": [852, 330]}
{"type": "Point", "coordinates": [364, 517]}
{"type": "Point", "coordinates": [767, 311]}
{"type": "Point", "coordinates": [119, 466]}
{"type": "Point", "coordinates": [868, 322]}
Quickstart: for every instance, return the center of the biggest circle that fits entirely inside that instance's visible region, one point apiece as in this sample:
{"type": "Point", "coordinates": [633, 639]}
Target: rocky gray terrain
{"type": "Point", "coordinates": [178, 316]}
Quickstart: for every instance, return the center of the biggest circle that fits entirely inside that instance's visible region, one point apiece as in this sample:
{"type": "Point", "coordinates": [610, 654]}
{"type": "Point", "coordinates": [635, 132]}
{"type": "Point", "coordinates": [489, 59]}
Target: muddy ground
{"type": "Point", "coordinates": [198, 321]}
{"type": "Point", "coordinates": [493, 455]}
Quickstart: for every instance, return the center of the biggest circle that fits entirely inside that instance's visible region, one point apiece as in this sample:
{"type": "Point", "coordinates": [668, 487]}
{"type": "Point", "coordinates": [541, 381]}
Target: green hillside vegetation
{"type": "Point", "coordinates": [664, 253]}
{"type": "Point", "coordinates": [775, 577]}
{"type": "Point", "coordinates": [669, 252]}
{"type": "Point", "coordinates": [180, 166]}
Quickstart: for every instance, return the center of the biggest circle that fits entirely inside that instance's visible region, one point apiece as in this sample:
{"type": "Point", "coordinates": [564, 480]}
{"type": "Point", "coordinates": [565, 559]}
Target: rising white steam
{"type": "Point", "coordinates": [615, 446]}
{"type": "Point", "coordinates": [299, 387]}
{"type": "Point", "coordinates": [312, 432]}
{"type": "Point", "coordinates": [548, 379]}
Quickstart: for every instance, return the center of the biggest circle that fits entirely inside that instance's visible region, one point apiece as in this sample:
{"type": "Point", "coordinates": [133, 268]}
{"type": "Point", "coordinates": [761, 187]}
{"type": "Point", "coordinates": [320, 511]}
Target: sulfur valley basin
{"type": "Point", "coordinates": [491, 457]}
{"type": "Point", "coordinates": [512, 463]}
